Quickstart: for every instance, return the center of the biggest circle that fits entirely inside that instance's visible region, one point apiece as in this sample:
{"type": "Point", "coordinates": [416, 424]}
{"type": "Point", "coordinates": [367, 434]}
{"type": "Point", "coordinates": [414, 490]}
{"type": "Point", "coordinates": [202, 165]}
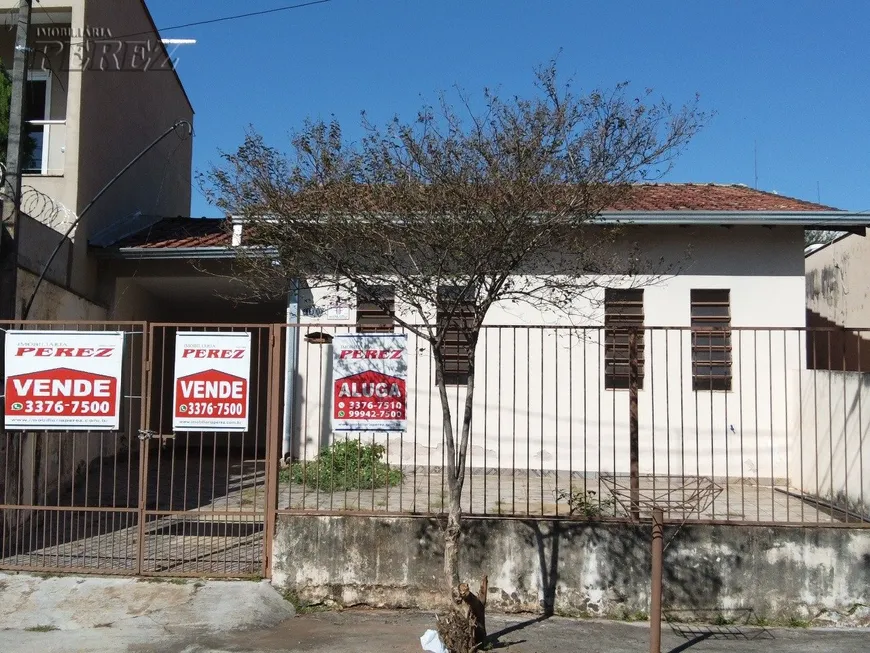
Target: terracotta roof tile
{"type": "Point", "coordinates": [203, 232]}
{"type": "Point", "coordinates": [710, 197]}
{"type": "Point", "coordinates": [180, 232]}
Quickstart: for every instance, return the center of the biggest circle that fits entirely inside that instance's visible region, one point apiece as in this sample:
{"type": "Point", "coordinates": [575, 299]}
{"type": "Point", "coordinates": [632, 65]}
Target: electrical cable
{"type": "Point", "coordinates": [173, 129]}
{"type": "Point", "coordinates": [211, 21]}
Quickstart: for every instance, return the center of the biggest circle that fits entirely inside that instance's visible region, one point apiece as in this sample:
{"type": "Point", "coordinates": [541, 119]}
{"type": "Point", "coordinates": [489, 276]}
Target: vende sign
{"type": "Point", "coordinates": [369, 388]}
{"type": "Point", "coordinates": [212, 377]}
{"type": "Point", "coordinates": [63, 380]}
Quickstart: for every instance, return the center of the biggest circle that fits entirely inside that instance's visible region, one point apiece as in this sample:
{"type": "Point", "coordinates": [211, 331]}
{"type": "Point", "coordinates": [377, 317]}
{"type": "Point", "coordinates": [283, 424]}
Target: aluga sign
{"type": "Point", "coordinates": [370, 372]}
{"type": "Point", "coordinates": [212, 379]}
{"type": "Point", "coordinates": [63, 380]}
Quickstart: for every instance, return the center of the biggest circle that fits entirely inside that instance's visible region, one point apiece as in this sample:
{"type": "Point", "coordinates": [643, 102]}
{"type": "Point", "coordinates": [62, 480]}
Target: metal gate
{"type": "Point", "coordinates": [144, 500]}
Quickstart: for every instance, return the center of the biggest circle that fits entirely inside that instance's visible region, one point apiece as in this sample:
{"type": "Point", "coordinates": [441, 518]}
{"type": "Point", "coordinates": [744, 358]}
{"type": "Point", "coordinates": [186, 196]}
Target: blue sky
{"type": "Point", "coordinates": [792, 76]}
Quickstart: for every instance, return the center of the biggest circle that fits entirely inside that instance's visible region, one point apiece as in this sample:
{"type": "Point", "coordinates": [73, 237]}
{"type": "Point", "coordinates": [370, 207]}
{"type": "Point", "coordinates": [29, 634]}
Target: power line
{"type": "Point", "coordinates": [247, 15]}
{"type": "Point", "coordinates": [211, 21]}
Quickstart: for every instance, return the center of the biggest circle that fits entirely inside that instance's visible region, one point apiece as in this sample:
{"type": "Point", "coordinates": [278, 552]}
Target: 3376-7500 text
{"type": "Point", "coordinates": [67, 407]}
{"type": "Point", "coordinates": [215, 408]}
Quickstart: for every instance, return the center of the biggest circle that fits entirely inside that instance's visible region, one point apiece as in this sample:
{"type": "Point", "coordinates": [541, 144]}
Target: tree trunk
{"type": "Point", "coordinates": [463, 628]}
{"type": "Point", "coordinates": [451, 536]}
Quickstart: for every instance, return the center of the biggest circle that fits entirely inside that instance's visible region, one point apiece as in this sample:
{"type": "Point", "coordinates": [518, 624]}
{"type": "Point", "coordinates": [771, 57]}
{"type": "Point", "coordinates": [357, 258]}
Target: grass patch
{"type": "Point", "coordinates": [346, 465]}
{"type": "Point", "coordinates": [794, 622]}
{"type": "Point", "coordinates": [41, 629]}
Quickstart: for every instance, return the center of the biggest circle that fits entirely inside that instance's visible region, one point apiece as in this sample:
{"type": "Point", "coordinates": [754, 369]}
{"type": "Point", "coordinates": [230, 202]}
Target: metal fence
{"type": "Point", "coordinates": [731, 425]}
{"type": "Point", "coordinates": [742, 426]}
{"type": "Point", "coordinates": [70, 499]}
{"type": "Point", "coordinates": [143, 500]}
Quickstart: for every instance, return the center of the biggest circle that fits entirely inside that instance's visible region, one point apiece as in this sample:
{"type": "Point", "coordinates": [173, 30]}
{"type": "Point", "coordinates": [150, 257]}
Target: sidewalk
{"type": "Point", "coordinates": [354, 631]}
{"type": "Point", "coordinates": [63, 615]}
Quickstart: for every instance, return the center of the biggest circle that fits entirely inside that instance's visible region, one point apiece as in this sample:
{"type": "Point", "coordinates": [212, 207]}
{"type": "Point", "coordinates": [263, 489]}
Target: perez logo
{"type": "Point", "coordinates": [377, 354]}
{"type": "Point", "coordinates": [213, 353]}
{"type": "Point", "coordinates": [66, 352]}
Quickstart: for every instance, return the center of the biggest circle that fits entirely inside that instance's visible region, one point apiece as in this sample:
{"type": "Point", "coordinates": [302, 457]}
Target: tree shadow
{"type": "Point", "coordinates": [493, 639]}
{"type": "Point", "coordinates": [549, 564]}
{"type": "Point", "coordinates": [687, 645]}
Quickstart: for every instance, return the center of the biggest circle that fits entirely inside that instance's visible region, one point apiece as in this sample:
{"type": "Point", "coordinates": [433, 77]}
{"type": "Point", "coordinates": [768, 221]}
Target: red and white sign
{"type": "Point", "coordinates": [212, 380]}
{"type": "Point", "coordinates": [369, 388]}
{"type": "Point", "coordinates": [63, 380]}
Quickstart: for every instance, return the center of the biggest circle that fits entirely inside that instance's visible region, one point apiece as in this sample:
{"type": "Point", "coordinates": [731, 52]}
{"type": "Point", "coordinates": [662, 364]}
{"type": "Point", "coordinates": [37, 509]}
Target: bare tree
{"type": "Point", "coordinates": [458, 210]}
{"type": "Point", "coordinates": [819, 237]}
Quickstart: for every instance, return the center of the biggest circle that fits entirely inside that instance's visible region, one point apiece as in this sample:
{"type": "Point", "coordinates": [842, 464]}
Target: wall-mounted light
{"type": "Point", "coordinates": [318, 338]}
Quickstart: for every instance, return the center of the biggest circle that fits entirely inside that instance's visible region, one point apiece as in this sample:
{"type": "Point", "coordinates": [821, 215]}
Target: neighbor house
{"type": "Point", "coordinates": [100, 87]}
{"type": "Point", "coordinates": [838, 300]}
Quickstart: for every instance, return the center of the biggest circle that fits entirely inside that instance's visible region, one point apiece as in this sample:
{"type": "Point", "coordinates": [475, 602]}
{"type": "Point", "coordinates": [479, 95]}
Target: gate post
{"type": "Point", "coordinates": [633, 374]}
{"type": "Point", "coordinates": [273, 436]}
{"type": "Point", "coordinates": [144, 417]}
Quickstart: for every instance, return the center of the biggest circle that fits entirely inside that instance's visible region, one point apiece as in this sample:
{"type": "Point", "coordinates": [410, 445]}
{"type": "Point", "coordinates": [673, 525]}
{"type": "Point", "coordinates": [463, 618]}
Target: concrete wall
{"type": "Point", "coordinates": [837, 287]}
{"type": "Point", "coordinates": [56, 303]}
{"type": "Point", "coordinates": [578, 568]}
{"type": "Point", "coordinates": [540, 401]}
{"type": "Point", "coordinates": [832, 447]}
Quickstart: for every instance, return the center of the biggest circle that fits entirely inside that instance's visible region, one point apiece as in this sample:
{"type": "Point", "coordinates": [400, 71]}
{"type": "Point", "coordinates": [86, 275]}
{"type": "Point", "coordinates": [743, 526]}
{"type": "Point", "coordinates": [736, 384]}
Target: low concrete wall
{"type": "Point", "coordinates": [581, 569]}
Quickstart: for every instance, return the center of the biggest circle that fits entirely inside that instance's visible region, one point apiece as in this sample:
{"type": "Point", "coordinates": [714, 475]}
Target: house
{"type": "Point", "coordinates": [100, 88]}
{"type": "Point", "coordinates": [724, 390]}
{"type": "Point", "coordinates": [838, 300]}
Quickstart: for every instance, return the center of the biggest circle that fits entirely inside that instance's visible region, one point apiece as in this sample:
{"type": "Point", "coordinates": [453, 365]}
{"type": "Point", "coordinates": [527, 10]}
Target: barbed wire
{"type": "Point", "coordinates": [40, 207]}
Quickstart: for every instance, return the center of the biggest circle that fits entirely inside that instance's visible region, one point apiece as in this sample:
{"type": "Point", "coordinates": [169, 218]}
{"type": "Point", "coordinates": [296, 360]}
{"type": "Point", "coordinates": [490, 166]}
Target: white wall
{"type": "Point", "coordinates": [835, 438]}
{"type": "Point", "coordinates": [540, 401]}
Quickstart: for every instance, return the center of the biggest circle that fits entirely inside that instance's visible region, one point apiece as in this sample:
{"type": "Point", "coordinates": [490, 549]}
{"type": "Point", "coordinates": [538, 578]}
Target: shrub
{"type": "Point", "coordinates": [586, 504]}
{"type": "Point", "coordinates": [346, 465]}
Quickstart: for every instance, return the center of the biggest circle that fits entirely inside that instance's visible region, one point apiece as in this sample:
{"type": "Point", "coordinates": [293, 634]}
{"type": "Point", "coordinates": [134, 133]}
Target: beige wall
{"type": "Point", "coordinates": [55, 303]}
{"type": "Point", "coordinates": [60, 186]}
{"type": "Point", "coordinates": [114, 107]}
{"type": "Point", "coordinates": [838, 282]}
{"type": "Point", "coordinates": [122, 112]}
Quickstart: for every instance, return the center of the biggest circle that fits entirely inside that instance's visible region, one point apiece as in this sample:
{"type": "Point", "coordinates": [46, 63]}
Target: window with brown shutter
{"type": "Point", "coordinates": [623, 311]}
{"type": "Point", "coordinates": [711, 340]}
{"type": "Point", "coordinates": [455, 351]}
{"type": "Point", "coordinates": [375, 309]}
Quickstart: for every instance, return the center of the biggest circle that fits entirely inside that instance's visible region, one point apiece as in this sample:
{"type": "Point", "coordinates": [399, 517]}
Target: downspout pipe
{"type": "Point", "coordinates": [291, 367]}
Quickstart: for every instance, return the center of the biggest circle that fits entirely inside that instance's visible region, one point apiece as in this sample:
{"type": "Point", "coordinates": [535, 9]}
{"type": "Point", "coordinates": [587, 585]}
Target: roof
{"type": "Point", "coordinates": [645, 204]}
{"type": "Point", "coordinates": [179, 232]}
{"type": "Point", "coordinates": [710, 197]}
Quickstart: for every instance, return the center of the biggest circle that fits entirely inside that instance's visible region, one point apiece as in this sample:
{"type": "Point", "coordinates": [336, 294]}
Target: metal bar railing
{"type": "Point", "coordinates": [774, 432]}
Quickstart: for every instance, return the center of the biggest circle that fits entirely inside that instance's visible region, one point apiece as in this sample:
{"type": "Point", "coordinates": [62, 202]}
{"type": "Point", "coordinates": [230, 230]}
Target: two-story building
{"type": "Point", "coordinates": [100, 88]}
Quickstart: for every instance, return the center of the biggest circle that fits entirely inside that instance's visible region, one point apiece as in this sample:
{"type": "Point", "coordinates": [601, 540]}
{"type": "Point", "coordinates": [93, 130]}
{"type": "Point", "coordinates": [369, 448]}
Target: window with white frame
{"type": "Point", "coordinates": [37, 113]}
